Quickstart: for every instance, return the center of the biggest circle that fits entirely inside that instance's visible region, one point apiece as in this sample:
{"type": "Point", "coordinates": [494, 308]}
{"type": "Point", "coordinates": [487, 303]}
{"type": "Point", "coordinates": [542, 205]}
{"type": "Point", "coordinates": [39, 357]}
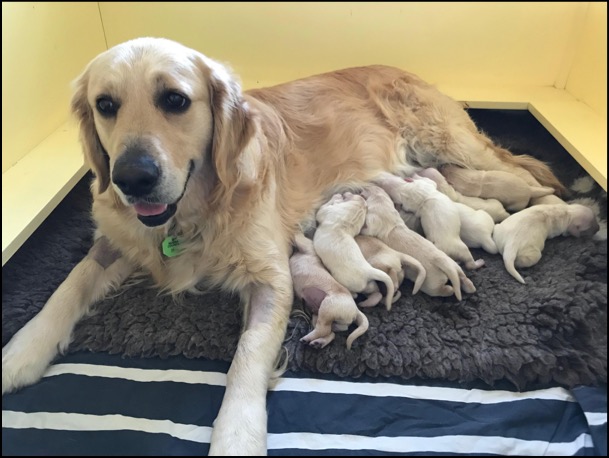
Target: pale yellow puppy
{"type": "Point", "coordinates": [339, 221]}
{"type": "Point", "coordinates": [331, 304]}
{"type": "Point", "coordinates": [492, 206]}
{"type": "Point", "coordinates": [383, 221]}
{"type": "Point", "coordinates": [390, 261]}
{"type": "Point", "coordinates": [521, 238]}
{"type": "Point", "coordinates": [439, 216]}
{"type": "Point", "coordinates": [509, 189]}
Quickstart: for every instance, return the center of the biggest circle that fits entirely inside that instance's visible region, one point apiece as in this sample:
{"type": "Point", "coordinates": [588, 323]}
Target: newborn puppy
{"type": "Point", "coordinates": [383, 221]}
{"type": "Point", "coordinates": [391, 262]}
{"type": "Point", "coordinates": [331, 304]}
{"type": "Point", "coordinates": [439, 215]}
{"type": "Point", "coordinates": [509, 189]}
{"type": "Point", "coordinates": [476, 228]}
{"type": "Point", "coordinates": [492, 206]}
{"type": "Point", "coordinates": [340, 220]}
{"type": "Point", "coordinates": [521, 237]}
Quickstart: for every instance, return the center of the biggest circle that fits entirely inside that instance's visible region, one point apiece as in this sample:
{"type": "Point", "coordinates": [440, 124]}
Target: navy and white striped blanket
{"type": "Point", "coordinates": [96, 404]}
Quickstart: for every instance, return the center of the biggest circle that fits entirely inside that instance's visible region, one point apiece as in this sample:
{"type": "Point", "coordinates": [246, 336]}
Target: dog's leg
{"type": "Point", "coordinates": [241, 425]}
{"type": "Point", "coordinates": [31, 350]}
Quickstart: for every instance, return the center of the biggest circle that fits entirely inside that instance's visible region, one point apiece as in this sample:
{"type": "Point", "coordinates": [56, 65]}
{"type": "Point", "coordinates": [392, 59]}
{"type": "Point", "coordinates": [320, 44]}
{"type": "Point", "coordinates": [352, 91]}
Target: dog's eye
{"type": "Point", "coordinates": [173, 102]}
{"type": "Point", "coordinates": [106, 106]}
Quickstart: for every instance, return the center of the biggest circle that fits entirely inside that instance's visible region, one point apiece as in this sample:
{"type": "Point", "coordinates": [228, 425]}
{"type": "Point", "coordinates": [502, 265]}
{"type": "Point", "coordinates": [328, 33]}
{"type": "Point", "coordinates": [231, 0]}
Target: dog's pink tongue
{"type": "Point", "coordinates": [145, 209]}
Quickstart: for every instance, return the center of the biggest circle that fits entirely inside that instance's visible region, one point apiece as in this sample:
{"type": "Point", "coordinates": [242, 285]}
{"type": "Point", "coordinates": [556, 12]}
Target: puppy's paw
{"type": "Point", "coordinates": [472, 265]}
{"type": "Point", "coordinates": [321, 343]}
{"type": "Point", "coordinates": [372, 300]}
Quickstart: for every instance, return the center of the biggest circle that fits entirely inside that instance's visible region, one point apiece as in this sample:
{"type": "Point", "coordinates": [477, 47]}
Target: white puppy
{"type": "Point", "coordinates": [509, 189]}
{"type": "Point", "coordinates": [492, 206]}
{"type": "Point", "coordinates": [521, 237]}
{"type": "Point", "coordinates": [384, 222]}
{"type": "Point", "coordinates": [390, 261]}
{"type": "Point", "coordinates": [340, 220]}
{"type": "Point", "coordinates": [439, 215]}
{"type": "Point", "coordinates": [331, 304]}
{"type": "Point", "coordinates": [476, 228]}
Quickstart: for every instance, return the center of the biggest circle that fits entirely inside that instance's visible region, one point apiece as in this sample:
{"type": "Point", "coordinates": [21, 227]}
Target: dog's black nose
{"type": "Point", "coordinates": [135, 173]}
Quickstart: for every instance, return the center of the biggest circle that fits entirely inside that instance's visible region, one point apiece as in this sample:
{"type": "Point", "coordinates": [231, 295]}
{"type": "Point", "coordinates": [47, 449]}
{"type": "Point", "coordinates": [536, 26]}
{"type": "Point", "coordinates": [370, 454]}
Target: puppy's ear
{"type": "Point", "coordinates": [235, 153]}
{"type": "Point", "coordinates": [95, 155]}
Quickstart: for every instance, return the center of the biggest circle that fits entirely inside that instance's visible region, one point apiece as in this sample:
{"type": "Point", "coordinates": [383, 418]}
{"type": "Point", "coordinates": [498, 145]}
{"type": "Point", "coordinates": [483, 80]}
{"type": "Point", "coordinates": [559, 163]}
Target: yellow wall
{"type": "Point", "coordinates": [474, 43]}
{"type": "Point", "coordinates": [588, 77]}
{"type": "Point", "coordinates": [44, 46]}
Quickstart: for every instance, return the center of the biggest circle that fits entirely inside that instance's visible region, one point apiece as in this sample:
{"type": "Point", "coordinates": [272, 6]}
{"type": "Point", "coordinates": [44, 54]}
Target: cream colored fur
{"type": "Point", "coordinates": [391, 262]}
{"type": "Point", "coordinates": [262, 162]}
{"type": "Point", "coordinates": [476, 228]}
{"type": "Point", "coordinates": [438, 214]}
{"type": "Point", "coordinates": [331, 304]}
{"type": "Point", "coordinates": [384, 222]}
{"type": "Point", "coordinates": [339, 221]}
{"type": "Point", "coordinates": [509, 189]}
{"type": "Point", "coordinates": [492, 206]}
{"type": "Point", "coordinates": [521, 238]}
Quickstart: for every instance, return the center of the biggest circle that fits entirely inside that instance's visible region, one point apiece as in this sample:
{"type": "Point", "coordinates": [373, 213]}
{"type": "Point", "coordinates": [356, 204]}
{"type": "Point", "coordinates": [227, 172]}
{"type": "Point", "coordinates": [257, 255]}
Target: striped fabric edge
{"type": "Point", "coordinates": [380, 389]}
{"type": "Point", "coordinates": [596, 418]}
{"type": "Point", "coordinates": [305, 441]}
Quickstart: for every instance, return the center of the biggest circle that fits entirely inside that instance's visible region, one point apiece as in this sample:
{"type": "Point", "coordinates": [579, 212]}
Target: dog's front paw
{"type": "Point", "coordinates": [26, 357]}
{"type": "Point", "coordinates": [241, 432]}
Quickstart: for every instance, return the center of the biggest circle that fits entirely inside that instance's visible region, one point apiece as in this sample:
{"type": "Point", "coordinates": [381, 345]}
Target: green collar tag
{"type": "Point", "coordinates": [171, 246]}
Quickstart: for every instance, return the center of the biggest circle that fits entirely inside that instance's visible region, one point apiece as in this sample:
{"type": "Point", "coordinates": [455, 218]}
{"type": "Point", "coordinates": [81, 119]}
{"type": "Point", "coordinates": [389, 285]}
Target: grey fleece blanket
{"type": "Point", "coordinates": [550, 331]}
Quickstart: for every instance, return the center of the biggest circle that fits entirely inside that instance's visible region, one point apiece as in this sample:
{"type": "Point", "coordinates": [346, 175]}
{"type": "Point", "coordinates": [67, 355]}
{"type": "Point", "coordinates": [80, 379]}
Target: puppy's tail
{"type": "Point", "coordinates": [540, 170]}
{"type": "Point", "coordinates": [509, 256]}
{"type": "Point", "coordinates": [489, 245]}
{"type": "Point", "coordinates": [303, 244]}
{"type": "Point", "coordinates": [379, 275]}
{"type": "Point", "coordinates": [540, 191]}
{"type": "Point", "coordinates": [362, 326]}
{"type": "Point", "coordinates": [407, 260]}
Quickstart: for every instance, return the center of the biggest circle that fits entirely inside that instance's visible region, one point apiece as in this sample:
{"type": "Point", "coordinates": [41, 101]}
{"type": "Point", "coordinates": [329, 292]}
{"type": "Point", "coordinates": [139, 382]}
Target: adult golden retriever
{"type": "Point", "coordinates": [179, 151]}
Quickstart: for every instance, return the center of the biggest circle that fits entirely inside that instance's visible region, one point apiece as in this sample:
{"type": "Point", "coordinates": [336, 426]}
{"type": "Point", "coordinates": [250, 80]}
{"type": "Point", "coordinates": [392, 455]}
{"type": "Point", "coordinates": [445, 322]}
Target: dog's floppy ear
{"type": "Point", "coordinates": [95, 155]}
{"type": "Point", "coordinates": [234, 151]}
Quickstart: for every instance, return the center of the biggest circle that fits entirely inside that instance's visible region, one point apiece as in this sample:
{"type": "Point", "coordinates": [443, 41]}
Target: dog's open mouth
{"type": "Point", "coordinates": [155, 214]}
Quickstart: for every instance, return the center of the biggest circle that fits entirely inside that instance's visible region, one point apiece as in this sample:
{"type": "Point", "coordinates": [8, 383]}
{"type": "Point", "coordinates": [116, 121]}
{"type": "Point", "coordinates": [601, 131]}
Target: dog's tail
{"type": "Point", "coordinates": [509, 257]}
{"type": "Point", "coordinates": [379, 275]}
{"type": "Point", "coordinates": [489, 245]}
{"type": "Point", "coordinates": [540, 191]}
{"type": "Point", "coordinates": [303, 244]}
{"type": "Point", "coordinates": [362, 326]}
{"type": "Point", "coordinates": [407, 260]}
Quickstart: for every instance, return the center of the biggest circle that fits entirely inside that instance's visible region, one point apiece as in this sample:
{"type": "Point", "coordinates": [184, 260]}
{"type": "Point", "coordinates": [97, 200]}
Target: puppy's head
{"type": "Point", "coordinates": [376, 197]}
{"type": "Point", "coordinates": [343, 210]}
{"type": "Point", "coordinates": [583, 221]}
{"type": "Point", "coordinates": [153, 116]}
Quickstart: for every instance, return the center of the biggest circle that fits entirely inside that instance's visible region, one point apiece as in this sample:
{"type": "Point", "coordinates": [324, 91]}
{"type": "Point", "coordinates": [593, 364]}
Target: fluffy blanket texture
{"type": "Point", "coordinates": [553, 330]}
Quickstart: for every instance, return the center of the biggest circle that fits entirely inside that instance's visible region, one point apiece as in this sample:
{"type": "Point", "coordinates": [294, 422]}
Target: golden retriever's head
{"type": "Point", "coordinates": [153, 114]}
